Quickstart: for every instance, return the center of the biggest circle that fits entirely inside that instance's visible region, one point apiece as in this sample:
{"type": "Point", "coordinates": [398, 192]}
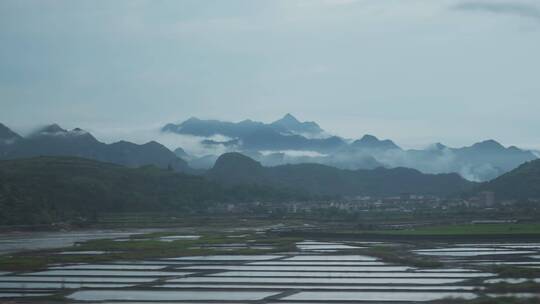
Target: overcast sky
{"type": "Point", "coordinates": [416, 71]}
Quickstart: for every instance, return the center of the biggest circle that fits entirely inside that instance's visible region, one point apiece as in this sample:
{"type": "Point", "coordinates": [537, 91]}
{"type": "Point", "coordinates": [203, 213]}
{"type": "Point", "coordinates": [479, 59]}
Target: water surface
{"type": "Point", "coordinates": [144, 295]}
{"type": "Point", "coordinates": [376, 296]}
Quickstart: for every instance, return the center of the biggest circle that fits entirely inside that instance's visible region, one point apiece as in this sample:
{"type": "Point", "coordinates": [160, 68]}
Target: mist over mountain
{"type": "Point", "coordinates": [237, 169]}
{"type": "Point", "coordinates": [7, 136]}
{"type": "Point", "coordinates": [291, 124]}
{"type": "Point", "coordinates": [288, 125]}
{"type": "Point", "coordinates": [285, 141]}
{"type": "Point", "coordinates": [521, 183]}
{"type": "Point", "coordinates": [370, 142]}
{"type": "Point", "coordinates": [290, 141]}
{"type": "Point", "coordinates": [53, 140]}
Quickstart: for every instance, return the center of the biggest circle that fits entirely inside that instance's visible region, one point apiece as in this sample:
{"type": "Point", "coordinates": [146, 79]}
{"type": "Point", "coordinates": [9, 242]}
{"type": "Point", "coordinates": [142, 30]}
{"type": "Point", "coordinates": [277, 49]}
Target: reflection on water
{"type": "Point", "coordinates": [20, 241]}
{"type": "Point", "coordinates": [377, 296]}
{"type": "Point", "coordinates": [301, 268]}
{"type": "Point", "coordinates": [61, 285]}
{"type": "Point", "coordinates": [473, 253]}
{"type": "Point", "coordinates": [126, 295]}
{"type": "Point", "coordinates": [318, 280]}
{"type": "Point", "coordinates": [228, 258]}
{"type": "Point", "coordinates": [107, 267]}
{"type": "Point", "coordinates": [305, 275]}
{"type": "Point", "coordinates": [331, 258]}
{"type": "Point", "coordinates": [324, 286]}
{"type": "Point", "coordinates": [329, 274]}
{"type": "Point", "coordinates": [73, 279]}
{"type": "Point", "coordinates": [148, 273]}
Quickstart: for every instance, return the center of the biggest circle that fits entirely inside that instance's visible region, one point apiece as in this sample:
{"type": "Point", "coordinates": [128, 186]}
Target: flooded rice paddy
{"type": "Point", "coordinates": [316, 272]}
{"type": "Point", "coordinates": [13, 242]}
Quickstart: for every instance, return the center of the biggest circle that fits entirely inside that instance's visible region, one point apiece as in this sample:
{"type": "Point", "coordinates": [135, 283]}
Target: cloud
{"type": "Point", "coordinates": [152, 132]}
{"type": "Point", "coordinates": [523, 10]}
{"type": "Point", "coordinates": [294, 153]}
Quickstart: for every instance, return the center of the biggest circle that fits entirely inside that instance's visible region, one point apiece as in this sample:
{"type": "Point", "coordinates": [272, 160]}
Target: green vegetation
{"type": "Point", "coordinates": [529, 286]}
{"type": "Point", "coordinates": [237, 169]}
{"type": "Point", "coordinates": [147, 246]}
{"type": "Point", "coordinates": [400, 255]}
{"type": "Point", "coordinates": [490, 300]}
{"type": "Point", "coordinates": [426, 234]}
{"type": "Point", "coordinates": [506, 271]}
{"type": "Point", "coordinates": [520, 183]}
{"type": "Point", "coordinates": [45, 190]}
{"type": "Point", "coordinates": [470, 229]}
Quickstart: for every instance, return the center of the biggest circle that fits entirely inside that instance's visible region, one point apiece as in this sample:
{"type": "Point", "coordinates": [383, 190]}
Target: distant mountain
{"type": "Point", "coordinates": [291, 124]}
{"type": "Point", "coordinates": [204, 162]}
{"type": "Point", "coordinates": [287, 133]}
{"type": "Point", "coordinates": [352, 162]}
{"type": "Point", "coordinates": [151, 153]}
{"type": "Point", "coordinates": [270, 139]}
{"type": "Point", "coordinates": [45, 190]}
{"type": "Point", "coordinates": [8, 139]}
{"type": "Point", "coordinates": [273, 143]}
{"type": "Point", "coordinates": [235, 168]}
{"type": "Point", "coordinates": [53, 140]}
{"type": "Point", "coordinates": [489, 159]}
{"type": "Point", "coordinates": [479, 162]}
{"type": "Point", "coordinates": [7, 136]}
{"type": "Point", "coordinates": [182, 154]}
{"type": "Point", "coordinates": [207, 128]}
{"type": "Point", "coordinates": [520, 183]}
{"type": "Point", "coordinates": [371, 142]}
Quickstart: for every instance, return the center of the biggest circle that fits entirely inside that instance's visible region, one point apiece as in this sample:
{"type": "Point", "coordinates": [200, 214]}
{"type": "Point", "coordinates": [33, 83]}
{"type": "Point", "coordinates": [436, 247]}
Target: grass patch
{"type": "Point", "coordinates": [503, 287]}
{"type": "Point", "coordinates": [400, 255]}
{"type": "Point", "coordinates": [489, 300]}
{"type": "Point", "coordinates": [469, 229]}
{"type": "Point", "coordinates": [142, 247]}
{"type": "Point", "coordinates": [506, 271]}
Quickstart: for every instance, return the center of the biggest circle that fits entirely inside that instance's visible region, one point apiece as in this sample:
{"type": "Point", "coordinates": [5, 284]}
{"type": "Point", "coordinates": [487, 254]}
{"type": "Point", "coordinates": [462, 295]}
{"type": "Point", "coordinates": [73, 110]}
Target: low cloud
{"type": "Point", "coordinates": [140, 135]}
{"type": "Point", "coordinates": [294, 153]}
{"type": "Point", "coordinates": [523, 10]}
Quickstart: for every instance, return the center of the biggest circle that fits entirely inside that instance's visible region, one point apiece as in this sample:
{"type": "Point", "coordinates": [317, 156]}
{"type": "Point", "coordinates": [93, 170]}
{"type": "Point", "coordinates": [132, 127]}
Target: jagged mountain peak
{"type": "Point", "coordinates": [56, 130]}
{"type": "Point", "coordinates": [6, 134]}
{"type": "Point", "coordinates": [292, 124]}
{"type": "Point", "coordinates": [52, 129]}
{"type": "Point", "coordinates": [289, 118]}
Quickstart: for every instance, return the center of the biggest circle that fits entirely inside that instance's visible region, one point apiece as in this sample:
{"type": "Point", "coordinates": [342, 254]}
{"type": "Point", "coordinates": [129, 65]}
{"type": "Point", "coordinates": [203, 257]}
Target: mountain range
{"type": "Point", "coordinates": [45, 190]}
{"type": "Point", "coordinates": [52, 140]}
{"type": "Point", "coordinates": [286, 141]}
{"type": "Point", "coordinates": [288, 125]}
{"type": "Point", "coordinates": [237, 169]}
{"type": "Point", "coordinates": [290, 141]}
{"type": "Point", "coordinates": [233, 169]}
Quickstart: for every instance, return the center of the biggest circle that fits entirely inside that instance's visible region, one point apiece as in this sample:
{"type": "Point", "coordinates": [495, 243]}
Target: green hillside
{"type": "Point", "coordinates": [47, 189]}
{"type": "Point", "coordinates": [520, 183]}
{"type": "Point", "coordinates": [237, 169]}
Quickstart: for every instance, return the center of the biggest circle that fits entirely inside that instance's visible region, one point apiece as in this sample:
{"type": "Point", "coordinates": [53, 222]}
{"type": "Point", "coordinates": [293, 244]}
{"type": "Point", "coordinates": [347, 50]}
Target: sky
{"type": "Point", "coordinates": [415, 71]}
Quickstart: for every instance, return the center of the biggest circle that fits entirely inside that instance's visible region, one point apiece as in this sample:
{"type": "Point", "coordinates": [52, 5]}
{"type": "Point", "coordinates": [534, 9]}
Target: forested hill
{"type": "Point", "coordinates": [236, 169]}
{"type": "Point", "coordinates": [47, 189]}
{"type": "Point", "coordinates": [520, 183]}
